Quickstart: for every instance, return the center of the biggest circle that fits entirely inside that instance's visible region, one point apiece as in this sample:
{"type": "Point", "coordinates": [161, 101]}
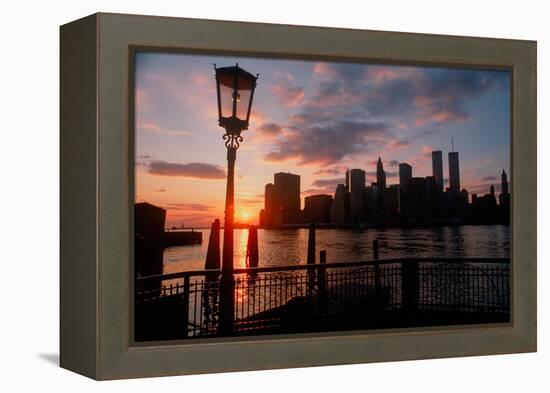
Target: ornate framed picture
{"type": "Point", "coordinates": [253, 196]}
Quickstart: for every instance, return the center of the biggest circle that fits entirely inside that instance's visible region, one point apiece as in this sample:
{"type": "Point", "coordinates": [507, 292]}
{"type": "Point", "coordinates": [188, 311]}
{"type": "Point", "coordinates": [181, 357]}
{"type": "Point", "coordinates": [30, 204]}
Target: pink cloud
{"type": "Point", "coordinates": [316, 191]}
{"type": "Point", "coordinates": [443, 116]}
{"type": "Point", "coordinates": [152, 127]}
{"type": "Point", "coordinates": [202, 80]}
{"type": "Point", "coordinates": [335, 170]}
{"type": "Point", "coordinates": [257, 118]}
{"type": "Point", "coordinates": [432, 109]}
{"type": "Point", "coordinates": [324, 69]}
{"type": "Point", "coordinates": [397, 145]}
{"type": "Point", "coordinates": [382, 74]}
{"type": "Point", "coordinates": [176, 86]}
{"type": "Point", "coordinates": [270, 130]}
{"type": "Point", "coordinates": [427, 150]}
{"type": "Point", "coordinates": [288, 93]}
{"type": "Point", "coordinates": [141, 100]}
{"type": "Point", "coordinates": [342, 98]}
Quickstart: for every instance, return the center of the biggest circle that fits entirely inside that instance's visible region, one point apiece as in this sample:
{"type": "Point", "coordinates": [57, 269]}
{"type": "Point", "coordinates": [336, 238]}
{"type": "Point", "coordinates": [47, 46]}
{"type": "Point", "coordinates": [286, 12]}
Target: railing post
{"type": "Point", "coordinates": [410, 286]}
{"type": "Point", "coordinates": [227, 303]}
{"type": "Point", "coordinates": [322, 282]}
{"type": "Point", "coordinates": [377, 284]}
{"type": "Point", "coordinates": [186, 293]}
{"type": "Point", "coordinates": [311, 259]}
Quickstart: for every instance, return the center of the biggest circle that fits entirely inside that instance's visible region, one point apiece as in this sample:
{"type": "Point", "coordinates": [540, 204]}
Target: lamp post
{"type": "Point", "coordinates": [235, 90]}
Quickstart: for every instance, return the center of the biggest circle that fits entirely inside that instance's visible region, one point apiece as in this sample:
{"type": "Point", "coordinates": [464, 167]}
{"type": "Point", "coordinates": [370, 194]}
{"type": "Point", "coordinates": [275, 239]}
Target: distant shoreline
{"type": "Point", "coordinates": [366, 227]}
{"type": "Point", "coordinates": [351, 227]}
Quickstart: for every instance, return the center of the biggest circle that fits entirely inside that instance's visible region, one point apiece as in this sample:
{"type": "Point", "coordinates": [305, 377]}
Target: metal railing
{"type": "Point", "coordinates": [337, 295]}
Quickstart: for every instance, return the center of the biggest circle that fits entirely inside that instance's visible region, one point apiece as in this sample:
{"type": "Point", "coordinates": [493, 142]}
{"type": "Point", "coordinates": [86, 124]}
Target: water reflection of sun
{"type": "Point", "coordinates": [240, 262]}
{"type": "Point", "coordinates": [242, 241]}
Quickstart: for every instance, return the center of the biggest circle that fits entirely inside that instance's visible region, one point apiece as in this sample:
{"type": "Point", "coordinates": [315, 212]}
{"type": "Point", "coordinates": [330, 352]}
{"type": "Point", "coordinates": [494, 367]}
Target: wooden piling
{"type": "Point", "coordinates": [377, 283]}
{"type": "Point", "coordinates": [213, 253]}
{"type": "Point", "coordinates": [252, 253]}
{"type": "Point", "coordinates": [311, 245]}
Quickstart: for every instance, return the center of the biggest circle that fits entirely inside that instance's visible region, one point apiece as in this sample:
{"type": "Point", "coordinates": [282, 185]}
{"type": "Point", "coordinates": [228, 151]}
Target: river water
{"type": "Point", "coordinates": [281, 247]}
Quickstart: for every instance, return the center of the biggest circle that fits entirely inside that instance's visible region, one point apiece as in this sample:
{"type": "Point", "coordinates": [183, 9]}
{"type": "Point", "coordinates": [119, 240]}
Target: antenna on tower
{"type": "Point", "coordinates": [452, 144]}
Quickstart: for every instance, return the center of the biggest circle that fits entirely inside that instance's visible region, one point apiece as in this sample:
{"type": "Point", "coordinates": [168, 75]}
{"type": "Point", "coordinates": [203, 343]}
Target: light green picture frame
{"type": "Point", "coordinates": [97, 166]}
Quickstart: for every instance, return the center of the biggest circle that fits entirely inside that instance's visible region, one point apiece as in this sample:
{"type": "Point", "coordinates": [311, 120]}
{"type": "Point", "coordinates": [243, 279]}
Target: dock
{"type": "Point", "coordinates": [181, 238]}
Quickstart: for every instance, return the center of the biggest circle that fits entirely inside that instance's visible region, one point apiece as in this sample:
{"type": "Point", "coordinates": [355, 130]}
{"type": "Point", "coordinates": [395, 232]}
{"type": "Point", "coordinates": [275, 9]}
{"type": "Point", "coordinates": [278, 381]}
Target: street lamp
{"type": "Point", "coordinates": [235, 90]}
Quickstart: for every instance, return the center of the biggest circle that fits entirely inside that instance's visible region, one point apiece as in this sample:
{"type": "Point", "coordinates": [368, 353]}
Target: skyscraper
{"type": "Point", "coordinates": [437, 168]}
{"type": "Point", "coordinates": [380, 175]}
{"type": "Point", "coordinates": [463, 200]}
{"type": "Point", "coordinates": [418, 203]}
{"type": "Point", "coordinates": [317, 208]}
{"type": "Point", "coordinates": [504, 183]}
{"type": "Point", "coordinates": [338, 210]}
{"type": "Point", "coordinates": [405, 175]}
{"type": "Point", "coordinates": [357, 189]}
{"type": "Point", "coordinates": [454, 173]}
{"type": "Point", "coordinates": [491, 196]}
{"type": "Point", "coordinates": [393, 199]}
{"type": "Point", "coordinates": [504, 199]}
{"type": "Point", "coordinates": [371, 203]}
{"type": "Point", "coordinates": [381, 184]}
{"type": "Point", "coordinates": [287, 191]}
{"type": "Point", "coordinates": [269, 205]}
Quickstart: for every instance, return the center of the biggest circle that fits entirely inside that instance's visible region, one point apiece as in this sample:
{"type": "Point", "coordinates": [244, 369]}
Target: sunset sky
{"type": "Point", "coordinates": [310, 118]}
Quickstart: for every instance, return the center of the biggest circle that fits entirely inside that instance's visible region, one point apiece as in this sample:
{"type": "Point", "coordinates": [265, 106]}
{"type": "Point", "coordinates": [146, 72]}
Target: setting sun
{"type": "Point", "coordinates": [244, 215]}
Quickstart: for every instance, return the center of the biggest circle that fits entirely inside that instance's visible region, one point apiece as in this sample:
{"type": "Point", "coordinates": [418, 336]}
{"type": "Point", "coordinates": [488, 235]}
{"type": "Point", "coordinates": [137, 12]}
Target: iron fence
{"type": "Point", "coordinates": [336, 295]}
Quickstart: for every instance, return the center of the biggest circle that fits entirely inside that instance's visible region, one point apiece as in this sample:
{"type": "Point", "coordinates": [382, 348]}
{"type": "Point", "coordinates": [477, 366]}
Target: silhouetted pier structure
{"type": "Point", "coordinates": [385, 293]}
{"type": "Point", "coordinates": [155, 317]}
{"type": "Point", "coordinates": [181, 238]}
{"type": "Point", "coordinates": [149, 221]}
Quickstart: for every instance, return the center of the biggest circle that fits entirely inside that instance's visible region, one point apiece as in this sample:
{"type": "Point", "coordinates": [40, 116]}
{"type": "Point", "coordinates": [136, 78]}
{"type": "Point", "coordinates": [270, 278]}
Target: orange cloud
{"type": "Point", "coordinates": [197, 170]}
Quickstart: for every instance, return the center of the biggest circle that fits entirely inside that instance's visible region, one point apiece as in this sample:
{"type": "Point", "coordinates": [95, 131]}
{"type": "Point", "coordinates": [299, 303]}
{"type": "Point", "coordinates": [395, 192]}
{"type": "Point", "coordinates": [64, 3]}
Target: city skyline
{"type": "Point", "coordinates": [316, 119]}
{"type": "Point", "coordinates": [414, 200]}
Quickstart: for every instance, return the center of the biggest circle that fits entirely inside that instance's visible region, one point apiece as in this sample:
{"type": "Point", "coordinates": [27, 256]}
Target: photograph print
{"type": "Point", "coordinates": [284, 196]}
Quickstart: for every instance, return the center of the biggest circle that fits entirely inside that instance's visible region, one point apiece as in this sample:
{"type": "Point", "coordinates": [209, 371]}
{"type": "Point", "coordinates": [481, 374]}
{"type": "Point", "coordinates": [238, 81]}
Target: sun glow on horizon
{"type": "Point", "coordinates": [244, 215]}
